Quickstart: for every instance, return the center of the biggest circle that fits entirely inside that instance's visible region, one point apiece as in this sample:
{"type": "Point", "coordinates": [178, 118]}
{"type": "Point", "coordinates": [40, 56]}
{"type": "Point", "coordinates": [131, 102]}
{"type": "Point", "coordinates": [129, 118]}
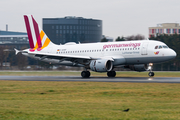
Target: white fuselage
{"type": "Point", "coordinates": [121, 53]}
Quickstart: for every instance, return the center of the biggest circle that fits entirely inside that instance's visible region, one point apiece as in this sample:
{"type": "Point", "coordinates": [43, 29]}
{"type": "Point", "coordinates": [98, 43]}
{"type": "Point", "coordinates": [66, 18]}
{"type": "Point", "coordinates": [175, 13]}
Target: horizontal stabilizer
{"type": "Point", "coordinates": [16, 51]}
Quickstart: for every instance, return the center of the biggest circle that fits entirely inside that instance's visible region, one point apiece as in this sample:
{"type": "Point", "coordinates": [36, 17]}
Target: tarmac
{"type": "Point", "coordinates": [94, 79]}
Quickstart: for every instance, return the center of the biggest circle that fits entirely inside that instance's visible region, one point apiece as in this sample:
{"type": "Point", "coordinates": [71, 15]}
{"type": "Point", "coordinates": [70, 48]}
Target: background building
{"type": "Point", "coordinates": [8, 41]}
{"type": "Point", "coordinates": [14, 39]}
{"type": "Point", "coordinates": [165, 28]}
{"type": "Point", "coordinates": [73, 29]}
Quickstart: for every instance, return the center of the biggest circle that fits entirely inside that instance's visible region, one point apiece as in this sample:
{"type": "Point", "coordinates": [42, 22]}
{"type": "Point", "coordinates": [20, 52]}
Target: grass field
{"type": "Point", "coordinates": [36, 100]}
{"type": "Point", "coordinates": [78, 73]}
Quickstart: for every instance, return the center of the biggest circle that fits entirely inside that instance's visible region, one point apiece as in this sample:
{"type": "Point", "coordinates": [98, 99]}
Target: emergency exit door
{"type": "Point", "coordinates": [144, 48]}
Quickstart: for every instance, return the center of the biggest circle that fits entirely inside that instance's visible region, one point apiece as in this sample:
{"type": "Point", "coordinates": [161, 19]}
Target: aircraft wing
{"type": "Point", "coordinates": [84, 60]}
{"type": "Point", "coordinates": [59, 56]}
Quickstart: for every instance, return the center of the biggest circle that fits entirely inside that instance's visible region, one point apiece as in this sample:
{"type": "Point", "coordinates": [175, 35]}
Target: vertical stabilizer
{"type": "Point", "coordinates": [37, 38]}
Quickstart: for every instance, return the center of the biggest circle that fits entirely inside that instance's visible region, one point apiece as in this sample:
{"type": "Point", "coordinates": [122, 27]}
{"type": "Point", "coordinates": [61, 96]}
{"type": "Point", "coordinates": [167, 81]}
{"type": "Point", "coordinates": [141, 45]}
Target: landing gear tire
{"type": "Point", "coordinates": [85, 74]}
{"type": "Point", "coordinates": [151, 74]}
{"type": "Point", "coordinates": [111, 74]}
{"type": "Point", "coordinates": [150, 67]}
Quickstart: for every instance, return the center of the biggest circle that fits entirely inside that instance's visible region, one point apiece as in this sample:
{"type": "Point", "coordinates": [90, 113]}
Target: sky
{"type": "Point", "coordinates": [120, 17]}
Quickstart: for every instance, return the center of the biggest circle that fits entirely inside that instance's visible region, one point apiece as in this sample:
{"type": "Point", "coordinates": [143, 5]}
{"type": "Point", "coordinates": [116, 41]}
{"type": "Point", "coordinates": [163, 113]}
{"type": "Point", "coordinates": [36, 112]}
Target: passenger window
{"type": "Point", "coordinates": [156, 47]}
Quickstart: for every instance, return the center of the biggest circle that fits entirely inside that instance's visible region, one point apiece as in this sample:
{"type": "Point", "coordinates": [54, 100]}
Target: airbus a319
{"type": "Point", "coordinates": [137, 55]}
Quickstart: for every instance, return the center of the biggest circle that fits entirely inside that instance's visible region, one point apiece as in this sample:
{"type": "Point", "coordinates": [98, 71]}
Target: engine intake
{"type": "Point", "coordinates": [101, 65]}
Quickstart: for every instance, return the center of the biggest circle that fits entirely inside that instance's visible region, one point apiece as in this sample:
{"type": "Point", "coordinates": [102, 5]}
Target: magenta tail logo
{"type": "Point", "coordinates": [37, 38]}
{"type": "Point", "coordinates": [37, 34]}
{"type": "Point", "coordinates": [29, 33]}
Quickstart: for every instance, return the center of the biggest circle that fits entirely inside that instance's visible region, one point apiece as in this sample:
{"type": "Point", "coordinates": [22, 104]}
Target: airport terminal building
{"type": "Point", "coordinates": [17, 40]}
{"type": "Point", "coordinates": [73, 29]}
{"type": "Point", "coordinates": [164, 28]}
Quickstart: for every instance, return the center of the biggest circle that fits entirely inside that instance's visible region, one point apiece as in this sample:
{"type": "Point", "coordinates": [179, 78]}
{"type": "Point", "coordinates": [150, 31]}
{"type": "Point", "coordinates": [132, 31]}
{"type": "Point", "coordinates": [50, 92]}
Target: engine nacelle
{"type": "Point", "coordinates": [101, 65]}
{"type": "Point", "coordinates": [139, 68]}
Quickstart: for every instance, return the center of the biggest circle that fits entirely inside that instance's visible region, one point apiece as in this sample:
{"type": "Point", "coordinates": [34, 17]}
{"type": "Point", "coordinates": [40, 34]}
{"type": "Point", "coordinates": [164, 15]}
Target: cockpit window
{"type": "Point", "coordinates": [161, 46]}
{"type": "Point", "coordinates": [165, 46]}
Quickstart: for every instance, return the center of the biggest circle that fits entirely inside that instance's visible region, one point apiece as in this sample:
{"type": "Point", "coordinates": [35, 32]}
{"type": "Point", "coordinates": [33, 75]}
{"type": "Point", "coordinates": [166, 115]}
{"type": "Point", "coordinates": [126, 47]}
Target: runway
{"type": "Point", "coordinates": [94, 79]}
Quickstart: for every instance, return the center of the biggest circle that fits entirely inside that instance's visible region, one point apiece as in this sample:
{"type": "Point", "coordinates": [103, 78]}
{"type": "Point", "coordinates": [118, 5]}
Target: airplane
{"type": "Point", "coordinates": [138, 55]}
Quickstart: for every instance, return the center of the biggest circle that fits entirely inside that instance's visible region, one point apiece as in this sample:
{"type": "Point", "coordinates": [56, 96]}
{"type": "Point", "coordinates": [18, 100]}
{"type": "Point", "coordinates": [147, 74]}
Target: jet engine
{"type": "Point", "coordinates": [102, 65]}
{"type": "Point", "coordinates": [139, 68]}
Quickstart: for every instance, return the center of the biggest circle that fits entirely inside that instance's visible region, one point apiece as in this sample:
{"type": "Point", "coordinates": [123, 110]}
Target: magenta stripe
{"type": "Point", "coordinates": [37, 33]}
{"type": "Point", "coordinates": [29, 32]}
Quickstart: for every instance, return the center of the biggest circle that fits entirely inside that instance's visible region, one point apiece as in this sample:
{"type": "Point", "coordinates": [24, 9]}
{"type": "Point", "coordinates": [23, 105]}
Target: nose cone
{"type": "Point", "coordinates": [172, 54]}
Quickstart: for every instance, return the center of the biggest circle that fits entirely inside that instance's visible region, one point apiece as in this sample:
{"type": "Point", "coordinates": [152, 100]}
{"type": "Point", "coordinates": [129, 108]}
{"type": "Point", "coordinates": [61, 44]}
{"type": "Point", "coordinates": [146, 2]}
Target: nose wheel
{"type": "Point", "coordinates": [151, 74]}
{"type": "Point", "coordinates": [150, 67]}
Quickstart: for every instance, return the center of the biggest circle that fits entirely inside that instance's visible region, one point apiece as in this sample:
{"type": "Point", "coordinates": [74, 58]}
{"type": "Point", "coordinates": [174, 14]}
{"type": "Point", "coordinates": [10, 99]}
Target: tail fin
{"type": "Point", "coordinates": [37, 38]}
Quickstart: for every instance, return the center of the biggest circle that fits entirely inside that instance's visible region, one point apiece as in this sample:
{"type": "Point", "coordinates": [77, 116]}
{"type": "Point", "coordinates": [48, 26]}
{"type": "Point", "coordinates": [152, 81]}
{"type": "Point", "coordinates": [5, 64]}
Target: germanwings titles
{"type": "Point", "coordinates": [137, 55]}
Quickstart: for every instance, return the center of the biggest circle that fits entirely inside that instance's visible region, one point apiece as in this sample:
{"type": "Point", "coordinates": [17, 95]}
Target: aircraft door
{"type": "Point", "coordinates": [144, 48]}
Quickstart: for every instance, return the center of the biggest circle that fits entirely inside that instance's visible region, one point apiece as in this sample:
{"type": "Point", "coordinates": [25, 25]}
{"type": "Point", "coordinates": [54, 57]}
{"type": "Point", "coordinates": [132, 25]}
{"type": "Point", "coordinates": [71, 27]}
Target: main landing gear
{"type": "Point", "coordinates": [111, 74]}
{"type": "Point", "coordinates": [86, 74]}
{"type": "Point", "coordinates": [150, 67]}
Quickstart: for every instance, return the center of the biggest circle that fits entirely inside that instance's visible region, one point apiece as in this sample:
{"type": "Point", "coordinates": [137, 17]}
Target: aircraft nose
{"type": "Point", "coordinates": [173, 53]}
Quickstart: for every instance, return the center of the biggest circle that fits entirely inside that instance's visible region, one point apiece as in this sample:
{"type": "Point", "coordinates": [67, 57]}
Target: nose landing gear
{"type": "Point", "coordinates": [150, 67]}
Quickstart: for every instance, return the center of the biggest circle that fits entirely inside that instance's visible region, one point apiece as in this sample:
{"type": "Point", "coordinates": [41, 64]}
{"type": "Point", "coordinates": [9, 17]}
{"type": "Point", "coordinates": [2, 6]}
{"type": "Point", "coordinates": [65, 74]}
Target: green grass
{"type": "Point", "coordinates": [33, 100]}
{"type": "Point", "coordinates": [78, 73]}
